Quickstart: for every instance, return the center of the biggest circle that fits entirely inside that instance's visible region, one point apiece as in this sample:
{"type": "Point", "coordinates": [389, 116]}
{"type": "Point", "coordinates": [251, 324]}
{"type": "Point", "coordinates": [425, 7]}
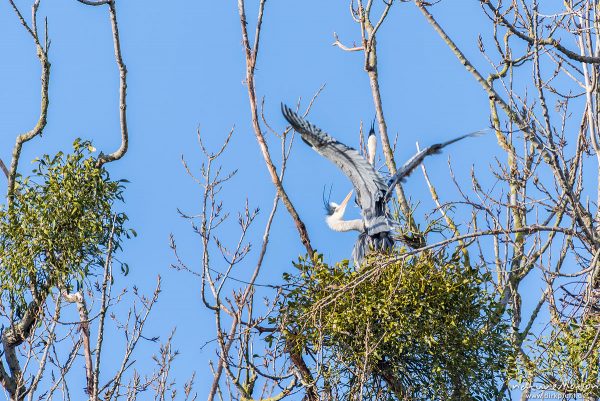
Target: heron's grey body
{"type": "Point", "coordinates": [372, 191]}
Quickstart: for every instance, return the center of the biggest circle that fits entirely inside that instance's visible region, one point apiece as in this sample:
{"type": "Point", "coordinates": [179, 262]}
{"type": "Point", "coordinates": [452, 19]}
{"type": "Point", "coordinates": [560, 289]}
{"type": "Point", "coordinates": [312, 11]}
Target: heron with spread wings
{"type": "Point", "coordinates": [377, 230]}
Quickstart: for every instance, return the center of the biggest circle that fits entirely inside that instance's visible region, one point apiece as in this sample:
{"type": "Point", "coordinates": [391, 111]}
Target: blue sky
{"type": "Point", "coordinates": [186, 70]}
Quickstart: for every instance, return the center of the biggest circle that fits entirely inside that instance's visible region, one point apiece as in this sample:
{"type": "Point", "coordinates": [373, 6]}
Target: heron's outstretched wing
{"type": "Point", "coordinates": [368, 183]}
{"type": "Point", "coordinates": [417, 159]}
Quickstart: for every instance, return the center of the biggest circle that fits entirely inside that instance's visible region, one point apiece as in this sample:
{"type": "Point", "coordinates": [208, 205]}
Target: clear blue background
{"type": "Point", "coordinates": [186, 69]}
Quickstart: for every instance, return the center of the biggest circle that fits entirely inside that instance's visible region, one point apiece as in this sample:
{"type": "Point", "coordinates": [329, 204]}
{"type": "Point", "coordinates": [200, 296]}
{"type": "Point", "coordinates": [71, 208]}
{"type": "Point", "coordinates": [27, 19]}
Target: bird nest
{"type": "Point", "coordinates": [421, 326]}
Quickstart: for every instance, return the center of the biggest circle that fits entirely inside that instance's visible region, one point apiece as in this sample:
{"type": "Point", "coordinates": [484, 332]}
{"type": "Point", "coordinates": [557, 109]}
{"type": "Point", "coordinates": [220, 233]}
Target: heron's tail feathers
{"type": "Point", "coordinates": [365, 244]}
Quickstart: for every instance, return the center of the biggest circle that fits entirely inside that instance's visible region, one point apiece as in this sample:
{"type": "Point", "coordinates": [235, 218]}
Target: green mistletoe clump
{"type": "Point", "coordinates": [419, 327]}
{"type": "Point", "coordinates": [58, 224]}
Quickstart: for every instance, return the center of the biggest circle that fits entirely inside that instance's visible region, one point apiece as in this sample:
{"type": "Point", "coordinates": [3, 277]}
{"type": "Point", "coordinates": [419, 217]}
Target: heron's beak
{"type": "Point", "coordinates": [344, 203]}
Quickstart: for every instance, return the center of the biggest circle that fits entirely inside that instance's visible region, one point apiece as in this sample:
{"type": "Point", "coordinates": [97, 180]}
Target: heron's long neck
{"type": "Point", "coordinates": [337, 224]}
{"type": "Point", "coordinates": [371, 147]}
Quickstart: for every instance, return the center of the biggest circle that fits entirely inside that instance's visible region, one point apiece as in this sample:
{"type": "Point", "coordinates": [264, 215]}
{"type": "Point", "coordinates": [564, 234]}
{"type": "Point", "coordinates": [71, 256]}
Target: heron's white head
{"type": "Point", "coordinates": [337, 211]}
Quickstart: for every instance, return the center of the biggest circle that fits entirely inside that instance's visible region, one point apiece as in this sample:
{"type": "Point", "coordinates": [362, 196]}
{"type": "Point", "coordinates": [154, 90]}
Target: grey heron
{"type": "Point", "coordinates": [372, 191]}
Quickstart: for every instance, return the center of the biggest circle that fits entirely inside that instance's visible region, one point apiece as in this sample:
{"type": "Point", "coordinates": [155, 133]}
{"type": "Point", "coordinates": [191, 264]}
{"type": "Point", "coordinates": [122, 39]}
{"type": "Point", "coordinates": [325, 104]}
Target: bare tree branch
{"type": "Point", "coordinates": [251, 53]}
{"type": "Point", "coordinates": [42, 54]}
